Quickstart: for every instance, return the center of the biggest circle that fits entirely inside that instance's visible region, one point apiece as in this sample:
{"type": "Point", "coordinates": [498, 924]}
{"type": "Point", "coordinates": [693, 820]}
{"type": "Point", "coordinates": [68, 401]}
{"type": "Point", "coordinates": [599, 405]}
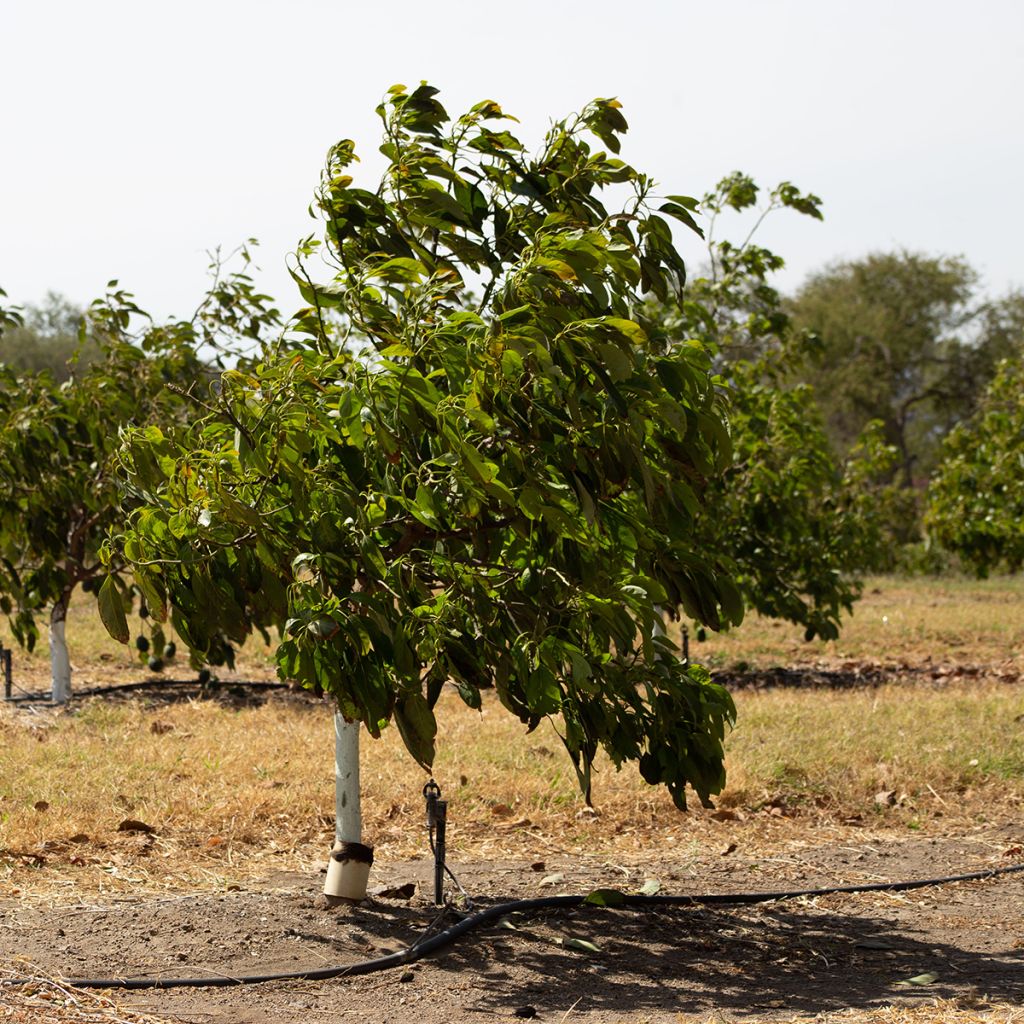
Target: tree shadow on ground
{"type": "Point", "coordinates": [166, 691]}
{"type": "Point", "coordinates": [750, 961]}
{"type": "Point", "coordinates": [745, 960]}
{"type": "Point", "coordinates": [807, 678]}
{"type": "Point", "coordinates": [853, 675]}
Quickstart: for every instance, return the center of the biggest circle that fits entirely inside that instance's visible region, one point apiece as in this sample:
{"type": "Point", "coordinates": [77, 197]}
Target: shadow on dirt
{"type": "Point", "coordinates": [743, 960]}
{"type": "Point", "coordinates": [805, 678]}
{"type": "Point", "coordinates": [806, 956]}
{"type": "Point", "coordinates": [856, 675]}
{"type": "Point", "coordinates": [160, 692]}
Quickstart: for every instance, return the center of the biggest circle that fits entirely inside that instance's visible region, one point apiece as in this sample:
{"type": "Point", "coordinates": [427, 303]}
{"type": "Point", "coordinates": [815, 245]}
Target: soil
{"type": "Point", "coordinates": [801, 957]}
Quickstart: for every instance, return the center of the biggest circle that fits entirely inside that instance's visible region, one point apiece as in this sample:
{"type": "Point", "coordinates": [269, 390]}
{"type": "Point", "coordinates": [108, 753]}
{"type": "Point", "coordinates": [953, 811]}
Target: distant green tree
{"type": "Point", "coordinates": [976, 499]}
{"type": "Point", "coordinates": [47, 338]}
{"type": "Point", "coordinates": [903, 340]}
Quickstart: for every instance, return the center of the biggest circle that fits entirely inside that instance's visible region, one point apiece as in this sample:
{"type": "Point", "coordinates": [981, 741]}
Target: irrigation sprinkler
{"type": "Point", "coordinates": [437, 822]}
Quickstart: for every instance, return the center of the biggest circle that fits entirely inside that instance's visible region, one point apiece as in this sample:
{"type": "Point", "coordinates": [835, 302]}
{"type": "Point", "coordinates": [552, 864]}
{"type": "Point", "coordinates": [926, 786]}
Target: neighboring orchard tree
{"type": "Point", "coordinates": [904, 340]}
{"type": "Point", "coordinates": [46, 338]}
{"type": "Point", "coordinates": [60, 488]}
{"type": "Point", "coordinates": [976, 499]}
{"type": "Point", "coordinates": [501, 491]}
{"type": "Point", "coordinates": [797, 525]}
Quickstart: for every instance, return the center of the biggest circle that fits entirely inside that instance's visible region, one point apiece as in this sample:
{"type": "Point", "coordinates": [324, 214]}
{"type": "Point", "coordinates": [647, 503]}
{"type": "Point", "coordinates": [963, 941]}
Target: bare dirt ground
{"type": "Point", "coordinates": [961, 944]}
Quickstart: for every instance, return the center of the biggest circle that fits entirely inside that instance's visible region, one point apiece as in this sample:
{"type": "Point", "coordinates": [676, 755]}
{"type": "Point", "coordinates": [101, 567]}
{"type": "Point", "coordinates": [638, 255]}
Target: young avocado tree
{"type": "Point", "coordinates": [474, 459]}
{"type": "Point", "coordinates": [976, 498]}
{"type": "Point", "coordinates": [796, 526]}
{"type": "Point", "coordinates": [60, 487]}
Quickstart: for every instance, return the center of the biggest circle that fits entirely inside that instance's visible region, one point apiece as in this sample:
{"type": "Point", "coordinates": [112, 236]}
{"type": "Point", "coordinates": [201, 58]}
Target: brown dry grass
{"type": "Point", "coordinates": [30, 996]}
{"type": "Point", "coordinates": [898, 621]}
{"type": "Point", "coordinates": [235, 792]}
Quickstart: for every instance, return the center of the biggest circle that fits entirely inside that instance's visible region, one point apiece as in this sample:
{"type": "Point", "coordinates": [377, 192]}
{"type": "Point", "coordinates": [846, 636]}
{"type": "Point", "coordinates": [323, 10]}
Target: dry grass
{"type": "Point", "coordinates": [233, 793]}
{"type": "Point", "coordinates": [898, 621]}
{"type": "Point", "coordinates": [30, 996]}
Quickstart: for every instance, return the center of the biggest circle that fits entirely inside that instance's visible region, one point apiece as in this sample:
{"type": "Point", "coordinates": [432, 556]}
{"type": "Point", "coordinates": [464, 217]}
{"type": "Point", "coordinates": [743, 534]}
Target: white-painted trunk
{"type": "Point", "coordinates": [348, 820]}
{"type": "Point", "coordinates": [60, 663]}
{"type": "Point", "coordinates": [659, 627]}
{"type": "Point", "coordinates": [349, 867]}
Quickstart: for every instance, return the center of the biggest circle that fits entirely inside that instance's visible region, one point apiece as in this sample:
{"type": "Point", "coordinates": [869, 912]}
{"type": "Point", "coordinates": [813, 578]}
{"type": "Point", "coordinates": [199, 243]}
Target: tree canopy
{"type": "Point", "coordinates": [905, 339]}
{"type": "Point", "coordinates": [46, 337]}
{"type": "Point", "coordinates": [976, 499]}
{"type": "Point", "coordinates": [61, 486]}
{"type": "Point", "coordinates": [502, 491]}
{"type": "Point", "coordinates": [795, 524]}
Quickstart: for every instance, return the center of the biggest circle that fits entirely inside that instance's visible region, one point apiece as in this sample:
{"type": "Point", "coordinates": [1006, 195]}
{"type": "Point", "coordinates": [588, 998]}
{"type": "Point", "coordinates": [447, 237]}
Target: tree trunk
{"type": "Point", "coordinates": [348, 821]}
{"type": "Point", "coordinates": [349, 866]}
{"type": "Point", "coordinates": [60, 663]}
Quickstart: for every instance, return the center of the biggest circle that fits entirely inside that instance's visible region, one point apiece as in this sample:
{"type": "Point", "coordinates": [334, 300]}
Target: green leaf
{"type": "Point", "coordinates": [572, 942]}
{"type": "Point", "coordinates": [605, 898]}
{"type": "Point", "coordinates": [153, 592]}
{"type": "Point", "coordinates": [417, 726]}
{"type": "Point", "coordinates": [630, 328]}
{"type": "Point", "coordinates": [928, 978]}
{"type": "Point", "coordinates": [112, 611]}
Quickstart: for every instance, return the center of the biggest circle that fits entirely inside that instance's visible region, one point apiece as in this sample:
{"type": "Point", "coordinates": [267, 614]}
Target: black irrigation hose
{"type": "Point", "coordinates": [481, 917]}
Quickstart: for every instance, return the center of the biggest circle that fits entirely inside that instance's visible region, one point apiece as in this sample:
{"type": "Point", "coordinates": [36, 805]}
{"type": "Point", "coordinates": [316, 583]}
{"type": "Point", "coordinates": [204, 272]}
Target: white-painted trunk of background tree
{"type": "Point", "coordinates": [349, 866]}
{"type": "Point", "coordinates": [60, 663]}
{"type": "Point", "coordinates": [348, 819]}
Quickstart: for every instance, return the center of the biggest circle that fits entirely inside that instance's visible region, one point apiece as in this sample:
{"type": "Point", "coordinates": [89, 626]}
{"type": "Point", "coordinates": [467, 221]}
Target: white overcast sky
{"type": "Point", "coordinates": [137, 136]}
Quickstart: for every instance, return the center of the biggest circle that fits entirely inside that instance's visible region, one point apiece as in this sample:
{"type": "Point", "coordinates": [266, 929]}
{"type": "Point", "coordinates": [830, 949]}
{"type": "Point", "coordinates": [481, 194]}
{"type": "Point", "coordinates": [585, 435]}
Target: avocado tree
{"type": "Point", "coordinates": [500, 490]}
{"type": "Point", "coordinates": [796, 525]}
{"type": "Point", "coordinates": [60, 485]}
{"type": "Point", "coordinates": [976, 497]}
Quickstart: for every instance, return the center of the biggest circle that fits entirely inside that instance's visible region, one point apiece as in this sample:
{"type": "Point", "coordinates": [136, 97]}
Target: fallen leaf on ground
{"type": "Point", "coordinates": [132, 825]}
{"type": "Point", "coordinates": [571, 942]}
{"type": "Point", "coordinates": [920, 979]}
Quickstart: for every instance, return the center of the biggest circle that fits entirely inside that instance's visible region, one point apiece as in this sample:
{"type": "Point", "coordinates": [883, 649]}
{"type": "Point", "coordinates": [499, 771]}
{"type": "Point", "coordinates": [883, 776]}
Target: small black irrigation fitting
{"type": "Point", "coordinates": [431, 793]}
{"type": "Point", "coordinates": [437, 822]}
